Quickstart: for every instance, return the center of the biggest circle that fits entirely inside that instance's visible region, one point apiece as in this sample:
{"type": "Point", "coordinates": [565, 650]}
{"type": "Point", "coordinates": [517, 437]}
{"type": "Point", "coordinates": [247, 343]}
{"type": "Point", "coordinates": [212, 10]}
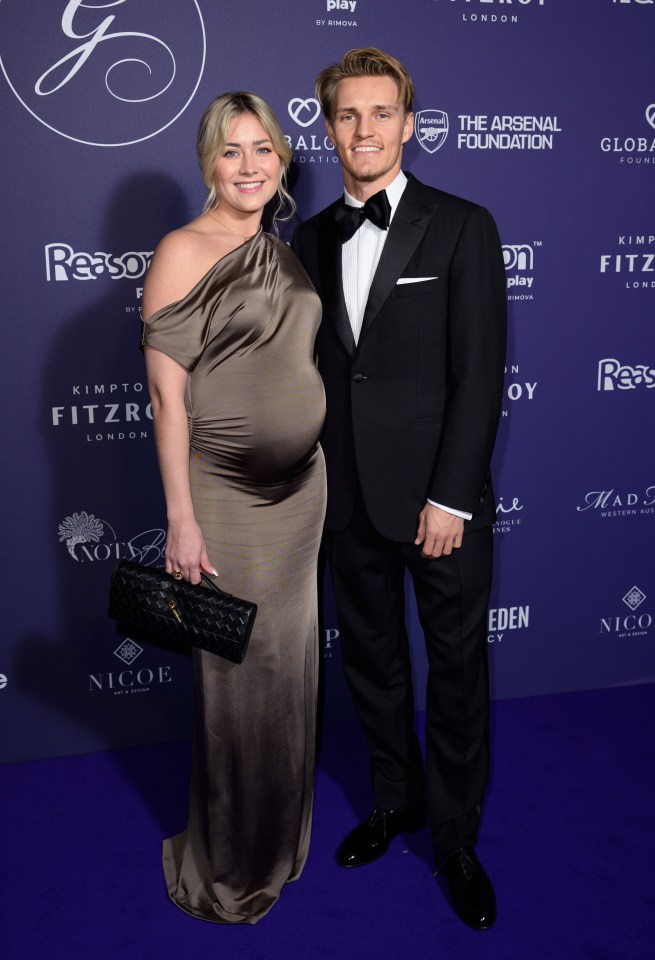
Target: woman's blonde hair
{"type": "Point", "coordinates": [212, 136]}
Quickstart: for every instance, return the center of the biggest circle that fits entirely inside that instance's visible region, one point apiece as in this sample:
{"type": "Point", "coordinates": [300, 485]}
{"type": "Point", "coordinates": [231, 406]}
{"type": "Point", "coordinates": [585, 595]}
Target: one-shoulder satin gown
{"type": "Point", "coordinates": [256, 407]}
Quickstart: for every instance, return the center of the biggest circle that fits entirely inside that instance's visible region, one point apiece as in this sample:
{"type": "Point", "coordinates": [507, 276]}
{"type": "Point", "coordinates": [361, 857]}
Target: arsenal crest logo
{"type": "Point", "coordinates": [431, 129]}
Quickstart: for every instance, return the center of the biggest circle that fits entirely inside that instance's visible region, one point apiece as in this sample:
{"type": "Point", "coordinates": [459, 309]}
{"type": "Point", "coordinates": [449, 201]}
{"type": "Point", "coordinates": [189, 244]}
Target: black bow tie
{"type": "Point", "coordinates": [349, 219]}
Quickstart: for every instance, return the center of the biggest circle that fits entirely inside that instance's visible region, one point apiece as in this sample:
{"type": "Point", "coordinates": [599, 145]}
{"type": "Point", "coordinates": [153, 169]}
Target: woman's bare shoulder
{"type": "Point", "coordinates": [180, 260]}
{"type": "Point", "coordinates": [179, 249]}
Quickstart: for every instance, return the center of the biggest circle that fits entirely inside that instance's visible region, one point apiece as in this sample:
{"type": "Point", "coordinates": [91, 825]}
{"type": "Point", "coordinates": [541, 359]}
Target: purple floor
{"type": "Point", "coordinates": [567, 839]}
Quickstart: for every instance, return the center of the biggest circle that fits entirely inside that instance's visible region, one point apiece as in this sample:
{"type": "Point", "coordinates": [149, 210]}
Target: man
{"type": "Point", "coordinates": [411, 350]}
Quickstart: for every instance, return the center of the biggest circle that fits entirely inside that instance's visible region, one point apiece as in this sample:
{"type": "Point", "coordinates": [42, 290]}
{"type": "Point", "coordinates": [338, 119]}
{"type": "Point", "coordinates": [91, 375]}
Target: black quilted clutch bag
{"type": "Point", "coordinates": [144, 598]}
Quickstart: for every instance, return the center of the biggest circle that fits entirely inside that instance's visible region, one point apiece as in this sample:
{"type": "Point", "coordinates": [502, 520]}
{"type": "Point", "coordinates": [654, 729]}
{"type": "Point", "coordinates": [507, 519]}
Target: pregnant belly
{"type": "Point", "coordinates": [268, 435]}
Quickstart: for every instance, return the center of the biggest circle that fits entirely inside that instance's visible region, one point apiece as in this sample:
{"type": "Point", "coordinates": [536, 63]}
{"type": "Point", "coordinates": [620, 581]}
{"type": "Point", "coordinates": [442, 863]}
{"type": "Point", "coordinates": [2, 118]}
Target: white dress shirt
{"type": "Point", "coordinates": [359, 260]}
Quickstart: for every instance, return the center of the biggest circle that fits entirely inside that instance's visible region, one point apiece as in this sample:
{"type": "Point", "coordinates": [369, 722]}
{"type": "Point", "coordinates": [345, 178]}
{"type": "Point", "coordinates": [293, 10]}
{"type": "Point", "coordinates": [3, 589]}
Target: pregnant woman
{"type": "Point", "coordinates": [238, 406]}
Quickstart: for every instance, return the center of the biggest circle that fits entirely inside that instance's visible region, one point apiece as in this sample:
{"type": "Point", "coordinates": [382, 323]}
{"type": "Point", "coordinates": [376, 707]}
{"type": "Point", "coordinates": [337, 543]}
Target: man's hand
{"type": "Point", "coordinates": [440, 532]}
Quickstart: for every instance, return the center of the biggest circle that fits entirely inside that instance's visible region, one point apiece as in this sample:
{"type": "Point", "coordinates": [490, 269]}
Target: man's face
{"type": "Point", "coordinates": [369, 127]}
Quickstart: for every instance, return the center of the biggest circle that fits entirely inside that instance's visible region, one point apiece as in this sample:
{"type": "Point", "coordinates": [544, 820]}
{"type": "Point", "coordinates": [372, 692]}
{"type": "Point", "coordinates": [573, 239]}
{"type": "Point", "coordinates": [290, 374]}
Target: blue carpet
{"type": "Point", "coordinates": [567, 839]}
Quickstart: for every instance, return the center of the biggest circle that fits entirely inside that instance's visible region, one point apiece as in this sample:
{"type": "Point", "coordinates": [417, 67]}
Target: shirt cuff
{"type": "Point", "coordinates": [462, 514]}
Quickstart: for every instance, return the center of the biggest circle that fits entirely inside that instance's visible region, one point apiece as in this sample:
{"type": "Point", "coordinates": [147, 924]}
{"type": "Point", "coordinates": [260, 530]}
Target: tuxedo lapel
{"type": "Point", "coordinates": [408, 226]}
{"type": "Point", "coordinates": [331, 269]}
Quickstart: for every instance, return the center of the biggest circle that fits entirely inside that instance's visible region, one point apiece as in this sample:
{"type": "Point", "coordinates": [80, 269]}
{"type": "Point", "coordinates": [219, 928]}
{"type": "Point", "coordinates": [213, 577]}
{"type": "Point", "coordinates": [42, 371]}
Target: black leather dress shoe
{"type": "Point", "coordinates": [471, 894]}
{"type": "Point", "coordinates": [370, 840]}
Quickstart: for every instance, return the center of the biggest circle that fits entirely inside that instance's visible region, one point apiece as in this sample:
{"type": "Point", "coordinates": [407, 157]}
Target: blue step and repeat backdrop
{"type": "Point", "coordinates": [542, 110]}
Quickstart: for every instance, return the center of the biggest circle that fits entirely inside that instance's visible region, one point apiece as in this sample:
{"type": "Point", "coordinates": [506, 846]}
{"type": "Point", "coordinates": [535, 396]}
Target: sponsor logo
{"type": "Point", "coordinates": [431, 129]}
{"type": "Point", "coordinates": [128, 681]}
{"type": "Point", "coordinates": [618, 503]}
{"type": "Point", "coordinates": [89, 539]}
{"type": "Point", "coordinates": [486, 16]}
{"type": "Point", "coordinates": [80, 528]}
{"type": "Point", "coordinates": [140, 680]}
{"type": "Point", "coordinates": [100, 77]}
{"type": "Point", "coordinates": [330, 637]}
{"type": "Point", "coordinates": [631, 262]}
{"type": "Point", "coordinates": [304, 112]}
{"type": "Point", "coordinates": [63, 263]}
{"type": "Point", "coordinates": [634, 598]}
{"type": "Point", "coordinates": [139, 294]}
{"type": "Point", "coordinates": [524, 3]}
{"type": "Point", "coordinates": [632, 624]}
{"type": "Point", "coordinates": [614, 375]}
{"type": "Point", "coordinates": [485, 132]}
{"type": "Point", "coordinates": [309, 147]}
{"type": "Point", "coordinates": [502, 619]}
{"type": "Point", "coordinates": [519, 267]}
{"type": "Point", "coordinates": [126, 417]}
{"type": "Point", "coordinates": [347, 8]}
{"type": "Point", "coordinates": [128, 651]}
{"type": "Point", "coordinates": [508, 515]}
{"type": "Point", "coordinates": [635, 149]}
{"type": "Point", "coordinates": [506, 132]}
{"type": "Point", "coordinates": [516, 389]}
{"type": "Point", "coordinates": [3, 681]}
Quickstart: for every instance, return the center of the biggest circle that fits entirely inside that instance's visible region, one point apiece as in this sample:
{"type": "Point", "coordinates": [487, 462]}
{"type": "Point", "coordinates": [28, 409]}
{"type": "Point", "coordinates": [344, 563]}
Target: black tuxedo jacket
{"type": "Point", "coordinates": [413, 409]}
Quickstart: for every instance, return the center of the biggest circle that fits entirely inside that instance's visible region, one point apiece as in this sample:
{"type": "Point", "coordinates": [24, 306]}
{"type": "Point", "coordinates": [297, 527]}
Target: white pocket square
{"type": "Point", "coordinates": [415, 279]}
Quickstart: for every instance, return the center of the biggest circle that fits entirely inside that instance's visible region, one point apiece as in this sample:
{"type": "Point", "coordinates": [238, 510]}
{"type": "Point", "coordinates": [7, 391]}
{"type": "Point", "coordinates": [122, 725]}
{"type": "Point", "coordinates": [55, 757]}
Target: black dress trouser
{"type": "Point", "coordinates": [452, 593]}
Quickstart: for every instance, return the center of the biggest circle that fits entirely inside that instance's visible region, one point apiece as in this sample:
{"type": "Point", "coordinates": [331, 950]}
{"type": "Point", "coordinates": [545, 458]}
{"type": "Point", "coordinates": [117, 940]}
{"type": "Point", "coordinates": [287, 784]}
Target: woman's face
{"type": "Point", "coordinates": [247, 172]}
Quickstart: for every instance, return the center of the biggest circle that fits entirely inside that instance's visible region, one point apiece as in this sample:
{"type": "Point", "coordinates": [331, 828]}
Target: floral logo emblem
{"type": "Point", "coordinates": [80, 528]}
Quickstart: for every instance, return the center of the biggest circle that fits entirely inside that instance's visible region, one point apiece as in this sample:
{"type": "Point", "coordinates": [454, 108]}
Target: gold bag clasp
{"type": "Point", "coordinates": [172, 606]}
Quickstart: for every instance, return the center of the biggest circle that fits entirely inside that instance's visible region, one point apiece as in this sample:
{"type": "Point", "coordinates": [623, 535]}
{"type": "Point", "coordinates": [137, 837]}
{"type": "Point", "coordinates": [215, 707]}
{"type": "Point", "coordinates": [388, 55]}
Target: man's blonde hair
{"type": "Point", "coordinates": [364, 62]}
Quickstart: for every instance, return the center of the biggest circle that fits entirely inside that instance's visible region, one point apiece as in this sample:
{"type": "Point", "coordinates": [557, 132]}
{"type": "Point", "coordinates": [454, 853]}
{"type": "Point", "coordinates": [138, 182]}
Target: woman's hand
{"type": "Point", "coordinates": [186, 552]}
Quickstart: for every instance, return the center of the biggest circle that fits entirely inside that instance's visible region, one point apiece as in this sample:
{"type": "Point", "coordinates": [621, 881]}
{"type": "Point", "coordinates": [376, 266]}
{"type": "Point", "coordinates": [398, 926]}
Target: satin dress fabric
{"type": "Point", "coordinates": [256, 406]}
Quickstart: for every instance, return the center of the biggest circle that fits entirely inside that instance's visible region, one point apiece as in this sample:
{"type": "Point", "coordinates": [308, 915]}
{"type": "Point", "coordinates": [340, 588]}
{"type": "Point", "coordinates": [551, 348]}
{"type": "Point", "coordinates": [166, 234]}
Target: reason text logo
{"type": "Point", "coordinates": [614, 375]}
{"type": "Point", "coordinates": [63, 263]}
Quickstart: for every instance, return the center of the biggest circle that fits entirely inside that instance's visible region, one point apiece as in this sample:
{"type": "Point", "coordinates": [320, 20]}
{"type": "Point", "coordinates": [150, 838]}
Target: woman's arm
{"type": "Point", "coordinates": [185, 546]}
{"type": "Point", "coordinates": [167, 280]}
